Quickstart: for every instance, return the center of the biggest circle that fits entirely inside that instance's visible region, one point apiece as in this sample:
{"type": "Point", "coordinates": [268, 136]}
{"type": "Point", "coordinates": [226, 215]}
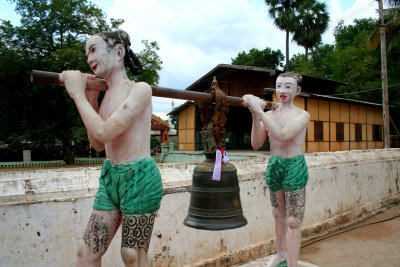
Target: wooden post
{"type": "Point", "coordinates": [385, 101]}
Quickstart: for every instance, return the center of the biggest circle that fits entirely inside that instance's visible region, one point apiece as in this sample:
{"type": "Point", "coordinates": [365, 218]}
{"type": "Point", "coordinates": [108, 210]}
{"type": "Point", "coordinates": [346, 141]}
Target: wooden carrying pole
{"type": "Point", "coordinates": [53, 78]}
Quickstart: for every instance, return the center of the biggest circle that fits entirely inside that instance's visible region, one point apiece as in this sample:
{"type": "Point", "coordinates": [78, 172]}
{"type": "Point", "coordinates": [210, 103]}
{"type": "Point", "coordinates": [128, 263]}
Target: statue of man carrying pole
{"type": "Point", "coordinates": [287, 172]}
{"type": "Point", "coordinates": [130, 187]}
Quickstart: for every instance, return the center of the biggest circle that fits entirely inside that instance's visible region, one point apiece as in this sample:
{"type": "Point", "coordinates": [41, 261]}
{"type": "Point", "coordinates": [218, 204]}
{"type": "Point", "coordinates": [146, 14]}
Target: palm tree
{"type": "Point", "coordinates": [311, 22]}
{"type": "Point", "coordinates": [392, 28]}
{"type": "Point", "coordinates": [283, 13]}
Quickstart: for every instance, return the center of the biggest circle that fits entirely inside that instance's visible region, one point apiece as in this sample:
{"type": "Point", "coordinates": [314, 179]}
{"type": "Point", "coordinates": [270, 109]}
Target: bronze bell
{"type": "Point", "coordinates": [215, 205]}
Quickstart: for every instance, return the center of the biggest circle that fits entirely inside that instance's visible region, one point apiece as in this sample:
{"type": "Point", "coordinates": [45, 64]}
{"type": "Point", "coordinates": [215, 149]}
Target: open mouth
{"type": "Point", "coordinates": [283, 97]}
{"type": "Point", "coordinates": [94, 67]}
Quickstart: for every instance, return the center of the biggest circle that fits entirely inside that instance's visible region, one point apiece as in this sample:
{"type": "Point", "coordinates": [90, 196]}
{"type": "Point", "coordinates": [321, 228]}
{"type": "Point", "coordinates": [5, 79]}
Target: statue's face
{"type": "Point", "coordinates": [99, 57]}
{"type": "Point", "coordinates": [286, 89]}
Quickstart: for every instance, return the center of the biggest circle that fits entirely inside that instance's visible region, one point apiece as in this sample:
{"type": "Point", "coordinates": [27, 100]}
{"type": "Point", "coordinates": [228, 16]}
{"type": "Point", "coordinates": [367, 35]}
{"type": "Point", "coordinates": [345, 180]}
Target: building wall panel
{"type": "Point", "coordinates": [344, 146]}
{"type": "Point", "coordinates": [323, 146]}
{"type": "Point", "coordinates": [370, 116]}
{"type": "Point", "coordinates": [334, 111]}
{"type": "Point", "coordinates": [378, 116]}
{"type": "Point", "coordinates": [344, 112]}
{"type": "Point", "coordinates": [352, 132]}
{"type": "Point", "coordinates": [313, 147]}
{"type": "Point", "coordinates": [362, 114]}
{"type": "Point", "coordinates": [335, 146]}
{"type": "Point", "coordinates": [354, 113]}
{"type": "Point", "coordinates": [312, 108]}
{"type": "Point", "coordinates": [323, 108]}
{"type": "Point", "coordinates": [310, 131]}
{"type": "Point", "coordinates": [326, 131]}
{"type": "Point", "coordinates": [379, 145]}
{"type": "Point", "coordinates": [346, 132]}
{"type": "Point", "coordinates": [299, 102]}
{"type": "Point", "coordinates": [369, 133]}
{"type": "Point", "coordinates": [362, 145]}
{"type": "Point", "coordinates": [354, 145]}
{"type": "Point", "coordinates": [371, 145]}
{"type": "Point", "coordinates": [364, 132]}
{"type": "Point", "coordinates": [333, 131]}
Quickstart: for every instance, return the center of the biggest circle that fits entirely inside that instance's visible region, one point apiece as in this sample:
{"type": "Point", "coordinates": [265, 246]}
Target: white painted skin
{"type": "Point", "coordinates": [286, 127]}
{"type": "Point", "coordinates": [121, 126]}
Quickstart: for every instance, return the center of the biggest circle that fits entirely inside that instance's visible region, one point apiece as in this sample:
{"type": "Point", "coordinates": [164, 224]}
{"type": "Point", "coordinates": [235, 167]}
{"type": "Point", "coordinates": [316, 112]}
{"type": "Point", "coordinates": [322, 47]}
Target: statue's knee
{"type": "Point", "coordinates": [85, 254]}
{"type": "Point", "coordinates": [278, 213]}
{"type": "Point", "coordinates": [129, 256]}
{"type": "Point", "coordinates": [293, 222]}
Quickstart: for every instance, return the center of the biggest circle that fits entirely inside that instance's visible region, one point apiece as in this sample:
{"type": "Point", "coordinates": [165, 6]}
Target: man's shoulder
{"type": "Point", "coordinates": [140, 87]}
{"type": "Point", "coordinates": [303, 112]}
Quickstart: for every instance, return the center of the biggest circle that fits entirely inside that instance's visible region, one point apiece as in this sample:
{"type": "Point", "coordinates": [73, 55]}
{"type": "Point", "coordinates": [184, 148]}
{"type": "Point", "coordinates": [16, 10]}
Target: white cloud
{"type": "Point", "coordinates": [195, 36]}
{"type": "Point", "coordinates": [162, 115]}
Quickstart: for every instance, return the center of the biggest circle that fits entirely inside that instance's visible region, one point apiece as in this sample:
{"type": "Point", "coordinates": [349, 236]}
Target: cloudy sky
{"type": "Point", "coordinates": [195, 36]}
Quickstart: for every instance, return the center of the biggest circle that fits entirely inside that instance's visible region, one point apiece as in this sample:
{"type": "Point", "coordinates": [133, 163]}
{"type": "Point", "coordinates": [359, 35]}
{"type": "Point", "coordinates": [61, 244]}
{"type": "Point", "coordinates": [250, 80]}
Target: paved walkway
{"type": "Point", "coordinates": [375, 242]}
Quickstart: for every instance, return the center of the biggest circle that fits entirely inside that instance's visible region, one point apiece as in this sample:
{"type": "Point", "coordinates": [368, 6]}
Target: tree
{"type": "Point", "coordinates": [312, 21]}
{"type": "Point", "coordinates": [151, 63]}
{"type": "Point", "coordinates": [319, 65]}
{"type": "Point", "coordinates": [265, 58]}
{"type": "Point", "coordinates": [175, 121]}
{"type": "Point", "coordinates": [284, 14]}
{"type": "Point", "coordinates": [51, 37]}
{"type": "Point", "coordinates": [392, 28]}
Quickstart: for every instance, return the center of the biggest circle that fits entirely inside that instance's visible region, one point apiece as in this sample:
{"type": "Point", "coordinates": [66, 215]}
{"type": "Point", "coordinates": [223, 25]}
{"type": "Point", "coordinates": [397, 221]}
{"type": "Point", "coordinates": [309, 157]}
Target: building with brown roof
{"type": "Point", "coordinates": [335, 123]}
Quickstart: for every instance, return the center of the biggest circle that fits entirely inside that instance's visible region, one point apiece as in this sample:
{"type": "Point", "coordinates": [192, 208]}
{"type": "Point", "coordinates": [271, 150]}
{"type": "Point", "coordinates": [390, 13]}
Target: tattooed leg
{"type": "Point", "coordinates": [136, 235]}
{"type": "Point", "coordinates": [295, 205]}
{"type": "Point", "coordinates": [99, 232]}
{"type": "Point", "coordinates": [278, 205]}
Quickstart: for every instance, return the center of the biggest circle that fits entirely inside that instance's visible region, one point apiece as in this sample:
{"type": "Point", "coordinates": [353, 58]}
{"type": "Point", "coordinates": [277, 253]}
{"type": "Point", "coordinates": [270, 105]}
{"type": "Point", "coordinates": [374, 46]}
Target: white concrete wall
{"type": "Point", "coordinates": [43, 213]}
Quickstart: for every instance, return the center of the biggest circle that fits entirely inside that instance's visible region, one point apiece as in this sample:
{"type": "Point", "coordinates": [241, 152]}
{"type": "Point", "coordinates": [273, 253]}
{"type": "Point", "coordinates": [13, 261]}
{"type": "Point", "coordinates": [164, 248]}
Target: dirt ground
{"type": "Point", "coordinates": [374, 243]}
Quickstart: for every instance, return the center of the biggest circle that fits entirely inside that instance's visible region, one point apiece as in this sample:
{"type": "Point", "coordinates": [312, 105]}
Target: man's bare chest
{"type": "Point", "coordinates": [282, 118]}
{"type": "Point", "coordinates": [110, 104]}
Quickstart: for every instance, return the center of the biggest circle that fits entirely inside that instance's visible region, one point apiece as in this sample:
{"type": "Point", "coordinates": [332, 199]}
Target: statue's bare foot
{"type": "Point", "coordinates": [276, 260]}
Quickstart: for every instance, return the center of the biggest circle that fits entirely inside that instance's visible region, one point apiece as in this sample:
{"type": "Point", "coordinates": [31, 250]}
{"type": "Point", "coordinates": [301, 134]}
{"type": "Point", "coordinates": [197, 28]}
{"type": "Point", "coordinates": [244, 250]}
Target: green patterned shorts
{"type": "Point", "coordinates": [288, 173]}
{"type": "Point", "coordinates": [134, 187]}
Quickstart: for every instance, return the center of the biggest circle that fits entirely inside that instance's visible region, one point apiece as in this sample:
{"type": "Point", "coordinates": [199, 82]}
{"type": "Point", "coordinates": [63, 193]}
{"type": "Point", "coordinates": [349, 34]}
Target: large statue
{"type": "Point", "coordinates": [287, 172]}
{"type": "Point", "coordinates": [130, 187]}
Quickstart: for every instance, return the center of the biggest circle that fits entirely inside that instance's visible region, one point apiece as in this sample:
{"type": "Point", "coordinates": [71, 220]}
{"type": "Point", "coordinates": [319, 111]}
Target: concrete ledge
{"type": "Point", "coordinates": [45, 210]}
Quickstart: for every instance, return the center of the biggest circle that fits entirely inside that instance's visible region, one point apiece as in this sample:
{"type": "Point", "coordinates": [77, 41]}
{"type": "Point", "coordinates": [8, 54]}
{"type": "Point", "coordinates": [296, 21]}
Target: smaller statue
{"type": "Point", "coordinates": [287, 172]}
{"type": "Point", "coordinates": [208, 138]}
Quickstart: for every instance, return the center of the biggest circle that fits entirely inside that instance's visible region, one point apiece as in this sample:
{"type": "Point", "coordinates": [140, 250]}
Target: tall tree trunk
{"type": "Point", "coordinates": [287, 50]}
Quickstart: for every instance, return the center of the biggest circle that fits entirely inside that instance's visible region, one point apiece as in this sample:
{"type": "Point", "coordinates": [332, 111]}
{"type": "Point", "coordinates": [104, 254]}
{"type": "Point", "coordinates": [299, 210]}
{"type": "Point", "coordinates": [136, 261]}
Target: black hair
{"type": "Point", "coordinates": [131, 61]}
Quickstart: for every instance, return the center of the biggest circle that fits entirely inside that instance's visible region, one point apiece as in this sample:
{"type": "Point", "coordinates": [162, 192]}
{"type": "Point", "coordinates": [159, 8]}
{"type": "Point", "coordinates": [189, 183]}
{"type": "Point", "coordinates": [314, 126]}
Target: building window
{"type": "Point", "coordinates": [358, 132]}
{"type": "Point", "coordinates": [377, 132]}
{"type": "Point", "coordinates": [340, 131]}
{"type": "Point", "coordinates": [318, 131]}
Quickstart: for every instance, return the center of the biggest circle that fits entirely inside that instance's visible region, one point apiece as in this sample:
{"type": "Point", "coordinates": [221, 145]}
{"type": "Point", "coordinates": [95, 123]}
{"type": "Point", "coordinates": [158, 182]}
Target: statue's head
{"type": "Point", "coordinates": [288, 85]}
{"type": "Point", "coordinates": [111, 49]}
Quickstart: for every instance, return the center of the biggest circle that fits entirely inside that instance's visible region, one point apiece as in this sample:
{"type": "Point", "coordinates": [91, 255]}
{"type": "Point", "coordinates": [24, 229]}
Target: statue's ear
{"type": "Point", "coordinates": [120, 50]}
{"type": "Point", "coordinates": [298, 90]}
